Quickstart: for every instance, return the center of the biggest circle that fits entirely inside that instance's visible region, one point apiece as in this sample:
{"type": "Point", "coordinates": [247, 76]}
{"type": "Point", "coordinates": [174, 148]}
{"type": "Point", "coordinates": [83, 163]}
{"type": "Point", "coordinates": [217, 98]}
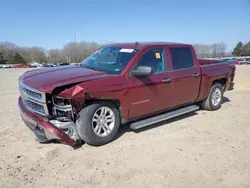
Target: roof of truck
{"type": "Point", "coordinates": [139, 45]}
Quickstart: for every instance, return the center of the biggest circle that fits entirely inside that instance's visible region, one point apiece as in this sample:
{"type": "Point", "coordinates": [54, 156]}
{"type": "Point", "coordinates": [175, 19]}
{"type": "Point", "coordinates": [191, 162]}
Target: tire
{"type": "Point", "coordinates": [87, 123]}
{"type": "Point", "coordinates": [209, 103]}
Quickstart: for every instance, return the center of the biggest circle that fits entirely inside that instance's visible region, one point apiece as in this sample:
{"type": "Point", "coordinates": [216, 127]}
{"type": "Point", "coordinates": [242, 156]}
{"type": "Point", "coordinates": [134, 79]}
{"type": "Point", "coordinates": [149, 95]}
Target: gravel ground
{"type": "Point", "coordinates": [202, 149]}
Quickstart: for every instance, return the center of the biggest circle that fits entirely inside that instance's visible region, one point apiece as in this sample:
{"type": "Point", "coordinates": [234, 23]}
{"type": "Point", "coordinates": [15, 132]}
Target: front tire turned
{"type": "Point", "coordinates": [214, 99]}
{"type": "Point", "coordinates": [98, 123]}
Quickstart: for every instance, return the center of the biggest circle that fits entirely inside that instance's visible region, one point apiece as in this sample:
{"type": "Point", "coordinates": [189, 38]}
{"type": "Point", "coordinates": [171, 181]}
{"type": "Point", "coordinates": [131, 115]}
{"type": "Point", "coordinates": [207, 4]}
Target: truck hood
{"type": "Point", "coordinates": [48, 79]}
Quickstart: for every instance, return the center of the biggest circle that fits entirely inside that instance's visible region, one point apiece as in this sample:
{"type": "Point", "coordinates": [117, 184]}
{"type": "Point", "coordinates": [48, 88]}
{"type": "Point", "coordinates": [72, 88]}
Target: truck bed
{"type": "Point", "coordinates": [203, 62]}
{"type": "Point", "coordinates": [215, 70]}
{"type": "Point", "coordinates": [209, 61]}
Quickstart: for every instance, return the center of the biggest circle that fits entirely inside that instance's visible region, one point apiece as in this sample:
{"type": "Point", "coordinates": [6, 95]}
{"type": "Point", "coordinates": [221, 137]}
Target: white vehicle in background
{"type": "Point", "coordinates": [51, 65]}
{"type": "Point", "coordinates": [5, 66]}
{"type": "Point", "coordinates": [35, 65]}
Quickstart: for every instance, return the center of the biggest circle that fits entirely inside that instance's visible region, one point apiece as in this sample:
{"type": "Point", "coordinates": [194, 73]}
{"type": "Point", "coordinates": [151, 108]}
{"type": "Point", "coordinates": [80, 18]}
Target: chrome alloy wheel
{"type": "Point", "coordinates": [103, 121]}
{"type": "Point", "coordinates": [216, 97]}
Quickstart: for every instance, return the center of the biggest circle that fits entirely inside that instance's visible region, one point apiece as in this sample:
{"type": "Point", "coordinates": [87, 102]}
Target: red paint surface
{"type": "Point", "coordinates": [45, 124]}
{"type": "Point", "coordinates": [21, 66]}
{"type": "Point", "coordinates": [91, 85]}
{"type": "Point", "coordinates": [48, 79]}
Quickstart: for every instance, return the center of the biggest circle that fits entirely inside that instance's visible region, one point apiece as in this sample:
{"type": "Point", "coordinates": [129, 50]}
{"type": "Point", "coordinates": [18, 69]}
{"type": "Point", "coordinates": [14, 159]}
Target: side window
{"type": "Point", "coordinates": [182, 58]}
{"type": "Point", "coordinates": [155, 59]}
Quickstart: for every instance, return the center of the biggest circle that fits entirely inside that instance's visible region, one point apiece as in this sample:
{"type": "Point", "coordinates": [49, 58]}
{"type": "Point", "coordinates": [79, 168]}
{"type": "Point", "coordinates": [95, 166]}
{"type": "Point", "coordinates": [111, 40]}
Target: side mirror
{"type": "Point", "coordinates": [142, 71]}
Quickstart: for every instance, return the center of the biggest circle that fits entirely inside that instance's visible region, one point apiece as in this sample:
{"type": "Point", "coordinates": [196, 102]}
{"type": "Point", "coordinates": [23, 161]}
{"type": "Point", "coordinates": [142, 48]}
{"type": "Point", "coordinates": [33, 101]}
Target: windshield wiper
{"type": "Point", "coordinates": [93, 68]}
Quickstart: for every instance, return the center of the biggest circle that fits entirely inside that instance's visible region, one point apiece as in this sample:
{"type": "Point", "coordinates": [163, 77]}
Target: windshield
{"type": "Point", "coordinates": [111, 60]}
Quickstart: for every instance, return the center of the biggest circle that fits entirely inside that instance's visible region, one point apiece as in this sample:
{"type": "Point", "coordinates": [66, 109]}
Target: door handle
{"type": "Point", "coordinates": [167, 80]}
{"type": "Point", "coordinates": [196, 74]}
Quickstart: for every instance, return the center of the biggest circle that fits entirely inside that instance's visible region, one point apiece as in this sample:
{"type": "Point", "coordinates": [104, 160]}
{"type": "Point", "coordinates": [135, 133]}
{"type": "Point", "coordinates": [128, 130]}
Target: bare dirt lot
{"type": "Point", "coordinates": [203, 149]}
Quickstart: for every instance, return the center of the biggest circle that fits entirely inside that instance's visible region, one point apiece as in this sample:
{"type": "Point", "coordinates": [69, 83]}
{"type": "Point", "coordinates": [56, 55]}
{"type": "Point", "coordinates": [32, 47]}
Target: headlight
{"type": "Point", "coordinates": [62, 109]}
{"type": "Point", "coordinates": [59, 101]}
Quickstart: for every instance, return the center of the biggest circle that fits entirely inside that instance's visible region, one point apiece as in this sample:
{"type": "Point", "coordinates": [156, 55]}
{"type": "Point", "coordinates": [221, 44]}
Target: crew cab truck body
{"type": "Point", "coordinates": [140, 83]}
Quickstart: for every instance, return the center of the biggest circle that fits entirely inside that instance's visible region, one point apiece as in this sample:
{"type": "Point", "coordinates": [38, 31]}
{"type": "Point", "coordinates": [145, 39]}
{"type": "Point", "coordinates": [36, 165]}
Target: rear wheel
{"type": "Point", "coordinates": [214, 99]}
{"type": "Point", "coordinates": [98, 123]}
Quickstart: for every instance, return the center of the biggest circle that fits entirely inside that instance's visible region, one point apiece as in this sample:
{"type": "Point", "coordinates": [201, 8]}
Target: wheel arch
{"type": "Point", "coordinates": [115, 102]}
{"type": "Point", "coordinates": [207, 85]}
{"type": "Point", "coordinates": [221, 81]}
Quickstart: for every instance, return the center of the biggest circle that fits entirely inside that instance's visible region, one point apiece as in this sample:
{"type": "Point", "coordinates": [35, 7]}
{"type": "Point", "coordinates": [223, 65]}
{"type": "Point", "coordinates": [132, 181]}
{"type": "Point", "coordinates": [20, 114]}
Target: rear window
{"type": "Point", "coordinates": [182, 58]}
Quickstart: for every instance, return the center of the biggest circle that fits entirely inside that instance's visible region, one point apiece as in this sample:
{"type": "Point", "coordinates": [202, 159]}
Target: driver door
{"type": "Point", "coordinates": [148, 94]}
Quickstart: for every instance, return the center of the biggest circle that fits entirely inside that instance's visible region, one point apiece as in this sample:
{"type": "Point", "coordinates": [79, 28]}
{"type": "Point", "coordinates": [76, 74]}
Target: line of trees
{"type": "Point", "coordinates": [242, 49]}
{"type": "Point", "coordinates": [211, 50]}
{"type": "Point", "coordinates": [12, 54]}
{"type": "Point", "coordinates": [69, 55]}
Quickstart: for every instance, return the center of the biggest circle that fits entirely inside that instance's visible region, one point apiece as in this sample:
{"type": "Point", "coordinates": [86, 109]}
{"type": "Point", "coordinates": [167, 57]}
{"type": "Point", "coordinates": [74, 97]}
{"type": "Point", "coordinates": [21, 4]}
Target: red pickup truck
{"type": "Point", "coordinates": [134, 83]}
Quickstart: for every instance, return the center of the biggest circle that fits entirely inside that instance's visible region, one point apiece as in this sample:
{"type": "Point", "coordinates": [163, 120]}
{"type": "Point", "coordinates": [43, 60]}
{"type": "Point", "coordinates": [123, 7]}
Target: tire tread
{"type": "Point", "coordinates": [84, 124]}
{"type": "Point", "coordinates": [206, 104]}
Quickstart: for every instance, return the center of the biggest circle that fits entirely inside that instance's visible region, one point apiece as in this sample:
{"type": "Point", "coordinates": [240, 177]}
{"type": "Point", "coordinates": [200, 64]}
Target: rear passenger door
{"type": "Point", "coordinates": [185, 74]}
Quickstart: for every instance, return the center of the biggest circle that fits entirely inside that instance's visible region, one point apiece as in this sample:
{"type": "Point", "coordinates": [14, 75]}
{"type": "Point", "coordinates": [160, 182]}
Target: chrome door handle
{"type": "Point", "coordinates": [167, 80]}
{"type": "Point", "coordinates": [196, 74]}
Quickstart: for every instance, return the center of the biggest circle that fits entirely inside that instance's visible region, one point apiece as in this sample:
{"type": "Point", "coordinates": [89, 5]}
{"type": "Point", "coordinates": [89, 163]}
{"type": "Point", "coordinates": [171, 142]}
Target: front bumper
{"type": "Point", "coordinates": [46, 129]}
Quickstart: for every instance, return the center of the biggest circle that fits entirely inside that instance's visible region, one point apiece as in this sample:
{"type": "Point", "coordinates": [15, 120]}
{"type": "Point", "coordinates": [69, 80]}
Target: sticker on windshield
{"type": "Point", "coordinates": [157, 55]}
{"type": "Point", "coordinates": [126, 50]}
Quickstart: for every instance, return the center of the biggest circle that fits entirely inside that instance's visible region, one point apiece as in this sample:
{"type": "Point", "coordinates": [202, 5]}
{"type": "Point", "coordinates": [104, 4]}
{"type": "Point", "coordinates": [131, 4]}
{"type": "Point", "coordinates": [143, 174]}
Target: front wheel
{"type": "Point", "coordinates": [214, 99]}
{"type": "Point", "coordinates": [98, 123]}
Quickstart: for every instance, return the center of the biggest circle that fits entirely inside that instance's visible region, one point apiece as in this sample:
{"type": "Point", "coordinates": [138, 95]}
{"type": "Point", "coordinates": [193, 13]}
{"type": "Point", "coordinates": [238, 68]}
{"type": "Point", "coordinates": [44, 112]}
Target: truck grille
{"type": "Point", "coordinates": [34, 106]}
{"type": "Point", "coordinates": [32, 94]}
{"type": "Point", "coordinates": [33, 99]}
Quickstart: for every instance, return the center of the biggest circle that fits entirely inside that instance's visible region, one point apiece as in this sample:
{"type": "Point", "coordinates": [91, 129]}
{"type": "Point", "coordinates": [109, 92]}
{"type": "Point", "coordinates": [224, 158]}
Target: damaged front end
{"type": "Point", "coordinates": [64, 116]}
{"type": "Point", "coordinates": [51, 116]}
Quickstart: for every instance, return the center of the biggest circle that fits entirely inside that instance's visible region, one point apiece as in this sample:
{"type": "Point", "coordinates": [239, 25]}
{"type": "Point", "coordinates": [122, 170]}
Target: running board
{"type": "Point", "coordinates": [163, 117]}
